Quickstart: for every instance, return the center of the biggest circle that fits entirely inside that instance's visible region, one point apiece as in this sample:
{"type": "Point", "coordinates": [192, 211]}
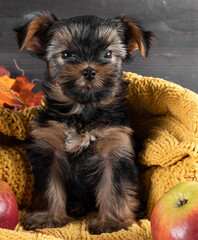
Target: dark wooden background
{"type": "Point", "coordinates": [173, 56]}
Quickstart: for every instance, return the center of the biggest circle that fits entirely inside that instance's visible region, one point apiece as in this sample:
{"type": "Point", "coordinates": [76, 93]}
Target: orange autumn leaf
{"type": "Point", "coordinates": [22, 83]}
{"type": "Point", "coordinates": [16, 93]}
{"type": "Point", "coordinates": [7, 96]}
{"type": "Point", "coordinates": [6, 82]}
{"type": "Point", "coordinates": [24, 87]}
{"type": "Point", "coordinates": [9, 99]}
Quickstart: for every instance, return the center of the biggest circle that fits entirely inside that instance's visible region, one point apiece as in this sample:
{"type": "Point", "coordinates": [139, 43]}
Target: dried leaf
{"type": "Point", "coordinates": [16, 93]}
{"type": "Point", "coordinates": [24, 87]}
{"type": "Point", "coordinates": [22, 83]}
{"type": "Point", "coordinates": [3, 71]}
{"type": "Point", "coordinates": [7, 95]}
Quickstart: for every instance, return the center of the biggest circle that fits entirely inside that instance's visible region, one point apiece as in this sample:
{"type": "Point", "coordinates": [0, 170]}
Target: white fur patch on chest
{"type": "Point", "coordinates": [77, 142]}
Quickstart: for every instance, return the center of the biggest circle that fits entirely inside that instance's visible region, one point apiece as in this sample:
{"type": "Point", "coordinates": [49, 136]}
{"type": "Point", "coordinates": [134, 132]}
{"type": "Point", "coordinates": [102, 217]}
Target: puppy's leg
{"type": "Point", "coordinates": [116, 188]}
{"type": "Point", "coordinates": [50, 172]}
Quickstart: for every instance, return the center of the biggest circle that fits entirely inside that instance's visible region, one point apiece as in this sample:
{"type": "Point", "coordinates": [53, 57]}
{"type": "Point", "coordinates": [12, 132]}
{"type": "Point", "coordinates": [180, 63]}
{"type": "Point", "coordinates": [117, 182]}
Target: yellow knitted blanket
{"type": "Point", "coordinates": [165, 118]}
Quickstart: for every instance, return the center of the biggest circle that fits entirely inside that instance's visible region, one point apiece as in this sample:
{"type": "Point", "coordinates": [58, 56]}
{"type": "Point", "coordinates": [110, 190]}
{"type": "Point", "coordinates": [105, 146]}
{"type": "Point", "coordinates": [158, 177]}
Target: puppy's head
{"type": "Point", "coordinates": [84, 54]}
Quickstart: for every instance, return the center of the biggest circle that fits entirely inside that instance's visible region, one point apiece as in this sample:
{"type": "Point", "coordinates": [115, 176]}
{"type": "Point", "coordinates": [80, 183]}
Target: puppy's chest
{"type": "Point", "coordinates": [83, 132]}
{"type": "Point", "coordinates": [76, 141]}
{"type": "Point", "coordinates": [74, 133]}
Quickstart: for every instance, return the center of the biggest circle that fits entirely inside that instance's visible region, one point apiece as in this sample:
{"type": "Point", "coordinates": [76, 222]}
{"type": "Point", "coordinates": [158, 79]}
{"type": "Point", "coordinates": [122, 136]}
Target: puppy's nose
{"type": "Point", "coordinates": [89, 73]}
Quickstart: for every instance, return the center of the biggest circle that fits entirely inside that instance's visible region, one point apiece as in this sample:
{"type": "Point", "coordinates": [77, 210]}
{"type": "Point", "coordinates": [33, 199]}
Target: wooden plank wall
{"type": "Point", "coordinates": [173, 56]}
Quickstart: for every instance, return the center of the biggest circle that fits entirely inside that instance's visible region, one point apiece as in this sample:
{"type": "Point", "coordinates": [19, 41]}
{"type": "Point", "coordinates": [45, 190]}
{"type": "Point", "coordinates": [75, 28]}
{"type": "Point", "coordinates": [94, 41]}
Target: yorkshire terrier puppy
{"type": "Point", "coordinates": [82, 148]}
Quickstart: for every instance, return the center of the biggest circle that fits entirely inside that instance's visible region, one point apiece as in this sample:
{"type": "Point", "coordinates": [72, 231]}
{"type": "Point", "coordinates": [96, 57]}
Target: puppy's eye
{"type": "Point", "coordinates": [108, 54]}
{"type": "Point", "coordinates": [66, 54]}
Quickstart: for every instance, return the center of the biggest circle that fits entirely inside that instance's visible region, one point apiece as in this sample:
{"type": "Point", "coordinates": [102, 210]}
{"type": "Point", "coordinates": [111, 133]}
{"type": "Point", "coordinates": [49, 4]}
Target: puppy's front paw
{"type": "Point", "coordinates": [97, 227]}
{"type": "Point", "coordinates": [39, 220]}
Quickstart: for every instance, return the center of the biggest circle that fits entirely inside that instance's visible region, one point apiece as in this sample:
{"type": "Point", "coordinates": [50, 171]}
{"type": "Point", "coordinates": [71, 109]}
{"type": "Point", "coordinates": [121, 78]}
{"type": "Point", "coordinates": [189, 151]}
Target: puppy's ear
{"type": "Point", "coordinates": [135, 37]}
{"type": "Point", "coordinates": [33, 34]}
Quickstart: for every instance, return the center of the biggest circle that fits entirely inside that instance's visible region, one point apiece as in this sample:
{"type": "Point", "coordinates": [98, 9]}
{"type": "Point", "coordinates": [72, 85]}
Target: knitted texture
{"type": "Point", "coordinates": [164, 116]}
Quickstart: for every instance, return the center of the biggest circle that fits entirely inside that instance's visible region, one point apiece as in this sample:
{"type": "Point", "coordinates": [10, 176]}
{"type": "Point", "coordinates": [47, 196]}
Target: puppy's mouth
{"type": "Point", "coordinates": [87, 94]}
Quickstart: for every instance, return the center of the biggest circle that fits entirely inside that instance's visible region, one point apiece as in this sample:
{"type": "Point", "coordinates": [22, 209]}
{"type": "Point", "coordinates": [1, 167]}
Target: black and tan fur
{"type": "Point", "coordinates": [82, 150]}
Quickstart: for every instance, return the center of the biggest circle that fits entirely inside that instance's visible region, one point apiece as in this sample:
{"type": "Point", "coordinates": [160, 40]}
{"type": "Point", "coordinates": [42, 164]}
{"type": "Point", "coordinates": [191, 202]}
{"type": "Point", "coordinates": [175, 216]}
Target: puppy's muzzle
{"type": "Point", "coordinates": [89, 73]}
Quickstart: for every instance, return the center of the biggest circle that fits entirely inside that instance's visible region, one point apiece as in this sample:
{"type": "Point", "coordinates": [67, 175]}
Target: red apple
{"type": "Point", "coordinates": [8, 207]}
{"type": "Point", "coordinates": [175, 216]}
